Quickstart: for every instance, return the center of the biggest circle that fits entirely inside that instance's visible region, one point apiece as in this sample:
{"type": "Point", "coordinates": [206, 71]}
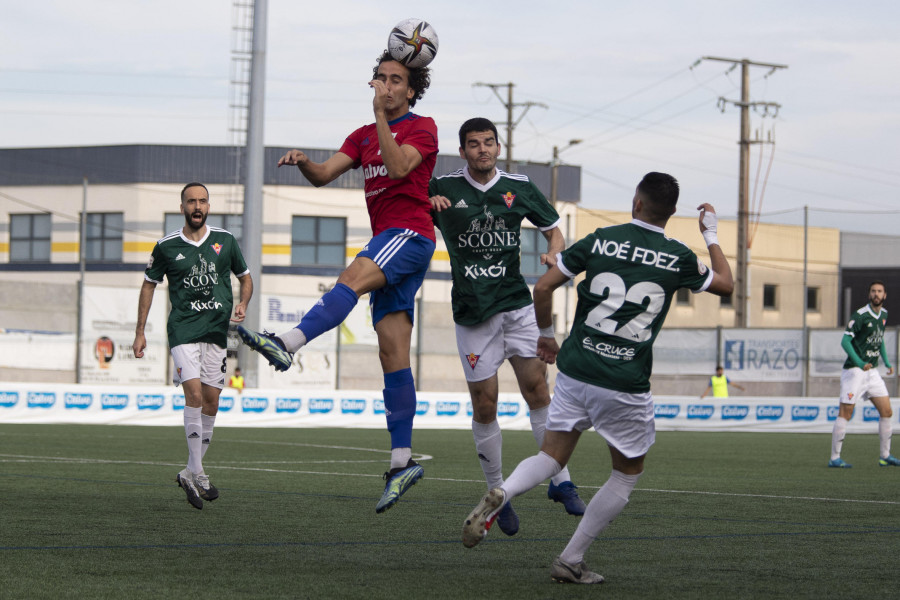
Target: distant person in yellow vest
{"type": "Point", "coordinates": [718, 383]}
{"type": "Point", "coordinates": [237, 381]}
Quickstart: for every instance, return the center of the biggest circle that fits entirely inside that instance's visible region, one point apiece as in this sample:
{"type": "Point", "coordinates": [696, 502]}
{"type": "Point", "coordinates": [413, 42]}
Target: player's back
{"type": "Point", "coordinates": [632, 271]}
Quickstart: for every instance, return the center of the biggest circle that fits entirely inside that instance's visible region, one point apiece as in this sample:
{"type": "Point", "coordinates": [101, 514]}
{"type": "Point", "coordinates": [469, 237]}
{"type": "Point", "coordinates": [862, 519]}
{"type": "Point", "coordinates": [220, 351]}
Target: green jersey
{"type": "Point", "coordinates": [866, 331]}
{"type": "Point", "coordinates": [482, 232]}
{"type": "Point", "coordinates": [199, 275]}
{"type": "Point", "coordinates": [632, 271]}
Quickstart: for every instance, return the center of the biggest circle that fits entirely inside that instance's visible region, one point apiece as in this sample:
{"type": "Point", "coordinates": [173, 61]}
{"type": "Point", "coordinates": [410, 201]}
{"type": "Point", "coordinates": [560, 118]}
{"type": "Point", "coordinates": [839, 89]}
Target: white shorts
{"type": "Point", "coordinates": [201, 360]}
{"type": "Point", "coordinates": [625, 421]}
{"type": "Point", "coordinates": [483, 347]}
{"type": "Point", "coordinates": [858, 385]}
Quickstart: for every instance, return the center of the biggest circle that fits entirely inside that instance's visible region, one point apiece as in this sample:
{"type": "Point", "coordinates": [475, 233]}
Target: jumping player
{"type": "Point", "coordinates": [397, 153]}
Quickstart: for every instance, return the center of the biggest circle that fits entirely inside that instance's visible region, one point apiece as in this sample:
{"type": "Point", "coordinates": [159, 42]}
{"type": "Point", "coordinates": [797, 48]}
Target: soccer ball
{"type": "Point", "coordinates": [413, 42]}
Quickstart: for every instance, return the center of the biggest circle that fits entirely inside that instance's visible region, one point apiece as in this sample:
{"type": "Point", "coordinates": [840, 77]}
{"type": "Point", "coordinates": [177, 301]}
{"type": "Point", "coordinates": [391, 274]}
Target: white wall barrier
{"type": "Point", "coordinates": [129, 405]}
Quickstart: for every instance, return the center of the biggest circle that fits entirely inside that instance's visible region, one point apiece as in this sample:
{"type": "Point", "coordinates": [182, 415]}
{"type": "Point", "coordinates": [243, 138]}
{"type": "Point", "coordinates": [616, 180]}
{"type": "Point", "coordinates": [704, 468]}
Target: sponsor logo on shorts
{"type": "Point", "coordinates": [666, 411]}
{"type": "Point", "coordinates": [507, 409]}
{"type": "Point", "coordinates": [321, 406]}
{"type": "Point", "coordinates": [769, 412]}
{"type": "Point", "coordinates": [150, 401]}
{"type": "Point", "coordinates": [352, 406]}
{"type": "Point", "coordinates": [287, 405]}
{"type": "Point", "coordinates": [253, 404]}
{"type": "Point", "coordinates": [870, 413]}
{"type": "Point", "coordinates": [473, 359]}
{"type": "Point", "coordinates": [9, 399]}
{"type": "Point", "coordinates": [41, 399]}
{"type": "Point", "coordinates": [378, 406]}
{"type": "Point", "coordinates": [700, 411]}
{"type": "Point", "coordinates": [447, 409]}
{"type": "Point", "coordinates": [113, 401]}
{"type": "Point", "coordinates": [735, 412]}
{"type": "Point", "coordinates": [177, 401]}
{"type": "Point", "coordinates": [422, 407]}
{"type": "Point", "coordinates": [804, 413]}
{"type": "Point", "coordinates": [226, 403]}
{"type": "Point", "coordinates": [81, 401]}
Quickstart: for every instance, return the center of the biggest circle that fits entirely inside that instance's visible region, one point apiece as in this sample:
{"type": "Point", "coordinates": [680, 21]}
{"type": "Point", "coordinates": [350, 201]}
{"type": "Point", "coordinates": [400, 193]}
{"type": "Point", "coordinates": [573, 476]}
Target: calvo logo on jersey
{"type": "Point", "coordinates": [700, 411]}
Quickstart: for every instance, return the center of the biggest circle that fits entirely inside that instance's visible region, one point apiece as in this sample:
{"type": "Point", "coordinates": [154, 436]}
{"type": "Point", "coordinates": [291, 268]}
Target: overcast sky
{"type": "Point", "coordinates": [622, 77]}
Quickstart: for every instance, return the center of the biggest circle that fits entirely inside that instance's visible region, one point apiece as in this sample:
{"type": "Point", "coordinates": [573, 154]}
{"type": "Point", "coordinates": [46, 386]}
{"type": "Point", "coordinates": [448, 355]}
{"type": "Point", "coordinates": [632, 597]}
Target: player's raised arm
{"type": "Point", "coordinates": [723, 281]}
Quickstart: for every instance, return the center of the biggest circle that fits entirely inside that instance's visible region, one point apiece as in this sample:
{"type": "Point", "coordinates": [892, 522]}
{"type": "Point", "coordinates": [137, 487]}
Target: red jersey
{"type": "Point", "coordinates": [397, 202]}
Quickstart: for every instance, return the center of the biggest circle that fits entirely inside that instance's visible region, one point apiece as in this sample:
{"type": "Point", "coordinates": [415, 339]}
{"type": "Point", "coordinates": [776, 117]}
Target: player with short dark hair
{"type": "Point", "coordinates": [480, 210]}
{"type": "Point", "coordinates": [863, 341]}
{"type": "Point", "coordinates": [632, 272]}
{"type": "Point", "coordinates": [397, 153]}
{"type": "Point", "coordinates": [197, 261]}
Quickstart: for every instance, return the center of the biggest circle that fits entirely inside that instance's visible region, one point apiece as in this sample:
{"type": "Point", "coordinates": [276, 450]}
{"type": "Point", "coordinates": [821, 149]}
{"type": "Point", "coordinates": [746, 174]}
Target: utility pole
{"type": "Point", "coordinates": [253, 185]}
{"type": "Point", "coordinates": [741, 287]}
{"type": "Point", "coordinates": [554, 168]}
{"type": "Point", "coordinates": [510, 122]}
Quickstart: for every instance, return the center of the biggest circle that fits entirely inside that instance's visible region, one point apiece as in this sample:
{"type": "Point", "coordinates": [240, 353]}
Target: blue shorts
{"type": "Point", "coordinates": [403, 256]}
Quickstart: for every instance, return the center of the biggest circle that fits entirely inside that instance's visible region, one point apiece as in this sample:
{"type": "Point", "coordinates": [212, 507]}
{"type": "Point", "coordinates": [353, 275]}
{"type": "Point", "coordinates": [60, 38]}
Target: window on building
{"type": "Point", "coordinates": [533, 244]}
{"type": "Point", "coordinates": [29, 238]}
{"type": "Point", "coordinates": [812, 299]}
{"type": "Point", "coordinates": [770, 296]}
{"type": "Point", "coordinates": [231, 223]}
{"type": "Point", "coordinates": [683, 297]}
{"type": "Point", "coordinates": [103, 241]}
{"type": "Point", "coordinates": [318, 241]}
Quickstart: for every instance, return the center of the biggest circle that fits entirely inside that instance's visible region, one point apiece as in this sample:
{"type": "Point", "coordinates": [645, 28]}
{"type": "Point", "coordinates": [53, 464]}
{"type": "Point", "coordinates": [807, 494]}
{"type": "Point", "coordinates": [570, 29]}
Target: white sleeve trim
{"type": "Point", "coordinates": [562, 267]}
{"type": "Point", "coordinates": [553, 226]}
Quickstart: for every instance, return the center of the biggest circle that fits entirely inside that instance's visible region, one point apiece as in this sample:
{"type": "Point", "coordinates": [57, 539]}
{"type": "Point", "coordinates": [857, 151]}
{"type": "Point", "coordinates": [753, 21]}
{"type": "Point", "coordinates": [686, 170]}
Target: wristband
{"type": "Point", "coordinates": [710, 237]}
{"type": "Point", "coordinates": [547, 332]}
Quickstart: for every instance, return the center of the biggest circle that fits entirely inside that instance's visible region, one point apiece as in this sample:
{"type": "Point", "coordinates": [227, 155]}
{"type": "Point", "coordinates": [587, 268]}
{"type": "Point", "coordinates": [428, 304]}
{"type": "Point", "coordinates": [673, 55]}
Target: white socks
{"type": "Point", "coordinates": [193, 432]}
{"type": "Point", "coordinates": [530, 473]}
{"type": "Point", "coordinates": [605, 506]}
{"type": "Point", "coordinates": [293, 339]}
{"type": "Point", "coordinates": [538, 425]}
{"type": "Point", "coordinates": [400, 457]}
{"type": "Point", "coordinates": [489, 446]}
{"type": "Point", "coordinates": [885, 430]}
{"type": "Point", "coordinates": [837, 437]}
{"type": "Point", "coordinates": [209, 422]}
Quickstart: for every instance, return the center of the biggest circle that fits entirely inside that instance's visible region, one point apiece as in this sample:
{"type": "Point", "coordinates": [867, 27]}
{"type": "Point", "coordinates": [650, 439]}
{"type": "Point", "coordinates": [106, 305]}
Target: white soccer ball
{"type": "Point", "coordinates": [413, 42]}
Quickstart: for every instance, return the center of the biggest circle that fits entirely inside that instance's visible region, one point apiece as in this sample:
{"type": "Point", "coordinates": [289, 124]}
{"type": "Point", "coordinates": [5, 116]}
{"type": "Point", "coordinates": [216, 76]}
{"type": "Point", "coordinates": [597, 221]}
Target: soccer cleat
{"type": "Point", "coordinates": [567, 494]}
{"type": "Point", "coordinates": [399, 480]}
{"type": "Point", "coordinates": [185, 480]}
{"type": "Point", "coordinates": [269, 346]}
{"type": "Point", "coordinates": [508, 520]}
{"type": "Point", "coordinates": [563, 572]}
{"type": "Point", "coordinates": [479, 521]}
{"type": "Point", "coordinates": [890, 461]}
{"type": "Point", "coordinates": [838, 463]}
{"type": "Point", "coordinates": [205, 489]}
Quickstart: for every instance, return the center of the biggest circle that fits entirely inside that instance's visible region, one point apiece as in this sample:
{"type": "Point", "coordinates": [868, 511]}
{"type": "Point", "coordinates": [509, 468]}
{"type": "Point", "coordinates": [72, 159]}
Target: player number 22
{"type": "Point", "coordinates": [618, 294]}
